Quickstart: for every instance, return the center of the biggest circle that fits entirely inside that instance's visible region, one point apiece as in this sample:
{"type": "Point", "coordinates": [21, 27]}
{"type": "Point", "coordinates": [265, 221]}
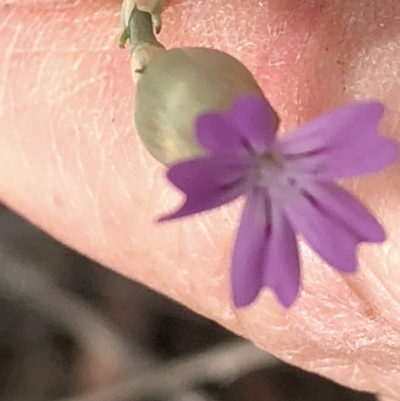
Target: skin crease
{"type": "Point", "coordinates": [72, 164]}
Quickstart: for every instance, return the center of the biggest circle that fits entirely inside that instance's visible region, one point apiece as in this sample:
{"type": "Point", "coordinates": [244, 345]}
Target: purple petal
{"type": "Point", "coordinates": [209, 182]}
{"type": "Point", "coordinates": [325, 233]}
{"type": "Point", "coordinates": [342, 143]}
{"type": "Point", "coordinates": [217, 134]}
{"type": "Point", "coordinates": [256, 120]}
{"type": "Point", "coordinates": [249, 122]}
{"type": "Point", "coordinates": [349, 210]}
{"type": "Point", "coordinates": [372, 155]}
{"type": "Point", "coordinates": [249, 249]}
{"type": "Point", "coordinates": [337, 126]}
{"type": "Point", "coordinates": [282, 264]}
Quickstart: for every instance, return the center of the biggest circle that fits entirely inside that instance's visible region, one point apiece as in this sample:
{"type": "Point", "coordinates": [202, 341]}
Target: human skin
{"type": "Point", "coordinates": [71, 163]}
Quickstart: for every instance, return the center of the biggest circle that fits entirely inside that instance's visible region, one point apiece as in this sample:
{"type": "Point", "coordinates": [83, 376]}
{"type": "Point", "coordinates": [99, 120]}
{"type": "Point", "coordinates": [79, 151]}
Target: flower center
{"type": "Point", "coordinates": [272, 173]}
{"type": "Point", "coordinates": [269, 167]}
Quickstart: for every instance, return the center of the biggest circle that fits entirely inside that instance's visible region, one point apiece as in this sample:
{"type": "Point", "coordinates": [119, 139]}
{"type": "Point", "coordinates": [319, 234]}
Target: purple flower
{"type": "Point", "coordinates": [289, 187]}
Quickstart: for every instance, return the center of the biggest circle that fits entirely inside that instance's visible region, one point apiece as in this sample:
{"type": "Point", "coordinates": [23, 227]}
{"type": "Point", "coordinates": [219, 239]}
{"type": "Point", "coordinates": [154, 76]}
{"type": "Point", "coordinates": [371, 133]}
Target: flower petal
{"type": "Point", "coordinates": [352, 213]}
{"type": "Point", "coordinates": [217, 134]}
{"type": "Point", "coordinates": [249, 122]}
{"type": "Point", "coordinates": [209, 182]}
{"type": "Point", "coordinates": [249, 250]}
{"type": "Point", "coordinates": [372, 155]}
{"type": "Point", "coordinates": [282, 264]}
{"type": "Point", "coordinates": [256, 121]}
{"type": "Point", "coordinates": [325, 233]}
{"type": "Point", "coordinates": [340, 125]}
{"type": "Point", "coordinates": [342, 143]}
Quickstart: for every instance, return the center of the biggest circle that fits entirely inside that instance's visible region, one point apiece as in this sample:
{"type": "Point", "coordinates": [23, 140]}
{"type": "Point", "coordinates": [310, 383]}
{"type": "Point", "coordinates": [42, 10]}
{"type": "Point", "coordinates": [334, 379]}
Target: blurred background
{"type": "Point", "coordinates": [72, 330]}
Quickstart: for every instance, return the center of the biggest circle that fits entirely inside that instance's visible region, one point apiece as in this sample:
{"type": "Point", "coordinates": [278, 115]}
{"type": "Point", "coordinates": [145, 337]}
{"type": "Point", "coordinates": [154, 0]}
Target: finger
{"type": "Point", "coordinates": [71, 163]}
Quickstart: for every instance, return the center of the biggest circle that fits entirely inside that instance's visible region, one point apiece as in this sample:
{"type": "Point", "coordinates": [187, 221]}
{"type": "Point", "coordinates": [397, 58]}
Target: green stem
{"type": "Point", "coordinates": [140, 31]}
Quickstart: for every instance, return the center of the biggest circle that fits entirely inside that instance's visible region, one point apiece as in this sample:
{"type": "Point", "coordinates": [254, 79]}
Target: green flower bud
{"type": "Point", "coordinates": [176, 87]}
